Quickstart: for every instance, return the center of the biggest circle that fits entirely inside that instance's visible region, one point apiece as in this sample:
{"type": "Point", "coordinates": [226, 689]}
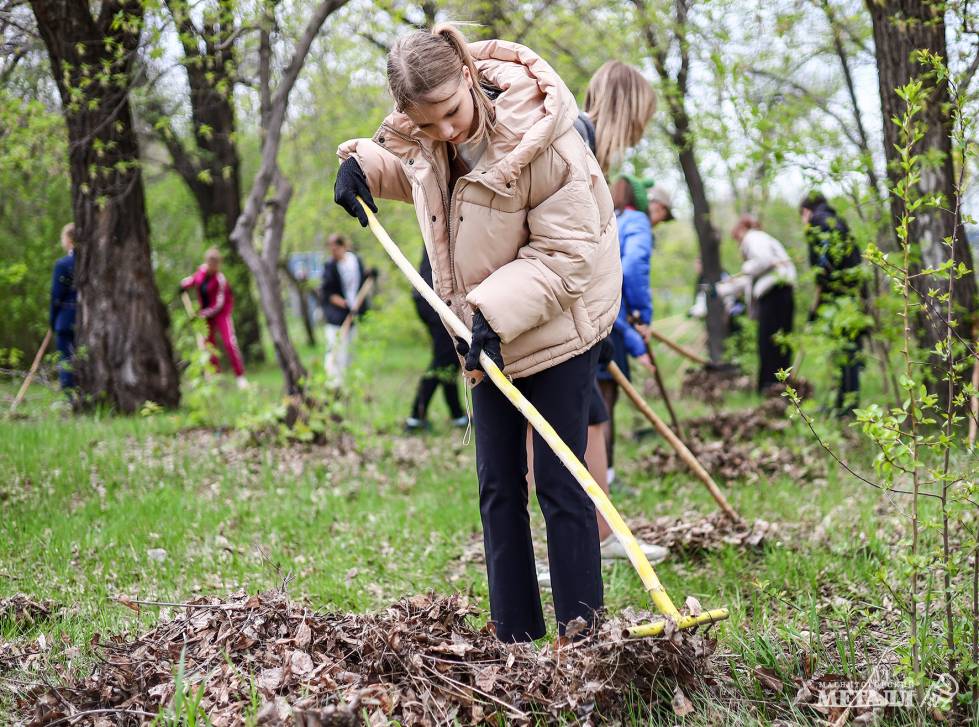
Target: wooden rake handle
{"type": "Point", "coordinates": [674, 441]}
{"type": "Point", "coordinates": [38, 357]}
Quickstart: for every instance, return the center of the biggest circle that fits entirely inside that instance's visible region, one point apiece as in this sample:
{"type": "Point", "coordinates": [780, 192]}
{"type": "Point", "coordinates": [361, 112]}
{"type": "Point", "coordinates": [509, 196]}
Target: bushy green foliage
{"type": "Point", "coordinates": [34, 206]}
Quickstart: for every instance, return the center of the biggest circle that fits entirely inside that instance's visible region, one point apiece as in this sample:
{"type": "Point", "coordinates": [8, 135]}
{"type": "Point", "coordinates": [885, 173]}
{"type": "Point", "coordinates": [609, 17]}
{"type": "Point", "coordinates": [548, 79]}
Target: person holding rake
{"type": "Point", "coordinates": [519, 227]}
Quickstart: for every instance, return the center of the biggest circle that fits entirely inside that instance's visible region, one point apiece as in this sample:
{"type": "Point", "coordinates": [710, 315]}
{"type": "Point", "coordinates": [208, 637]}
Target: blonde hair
{"type": "Point", "coordinates": [212, 253]}
{"type": "Point", "coordinates": [620, 103]}
{"type": "Point", "coordinates": [68, 232]}
{"type": "Point", "coordinates": [421, 61]}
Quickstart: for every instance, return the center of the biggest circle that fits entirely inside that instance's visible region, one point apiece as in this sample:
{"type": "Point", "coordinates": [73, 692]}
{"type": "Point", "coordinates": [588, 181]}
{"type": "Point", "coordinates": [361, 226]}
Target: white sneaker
{"type": "Point", "coordinates": [543, 575]}
{"type": "Point", "coordinates": [242, 383]}
{"type": "Point", "coordinates": [544, 579]}
{"type": "Point", "coordinates": [612, 550]}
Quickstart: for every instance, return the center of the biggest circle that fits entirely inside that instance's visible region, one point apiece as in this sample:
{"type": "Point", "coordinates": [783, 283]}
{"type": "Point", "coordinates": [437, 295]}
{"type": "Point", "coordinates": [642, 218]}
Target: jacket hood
{"type": "Point", "coordinates": [534, 108]}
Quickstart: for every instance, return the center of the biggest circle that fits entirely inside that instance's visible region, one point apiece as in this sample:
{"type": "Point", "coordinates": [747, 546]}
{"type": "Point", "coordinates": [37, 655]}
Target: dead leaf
{"type": "Point", "coordinates": [157, 554]}
{"type": "Point", "coordinates": [681, 705]}
{"type": "Point", "coordinates": [300, 663]}
{"type": "Point", "coordinates": [128, 603]}
{"type": "Point", "coordinates": [768, 678]}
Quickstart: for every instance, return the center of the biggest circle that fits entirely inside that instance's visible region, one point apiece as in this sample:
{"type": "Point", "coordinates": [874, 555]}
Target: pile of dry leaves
{"type": "Point", "coordinates": [725, 445]}
{"type": "Point", "coordinates": [20, 612]}
{"type": "Point", "coordinates": [419, 662]}
{"type": "Point", "coordinates": [726, 460]}
{"type": "Point", "coordinates": [710, 385]}
{"type": "Point", "coordinates": [691, 534]}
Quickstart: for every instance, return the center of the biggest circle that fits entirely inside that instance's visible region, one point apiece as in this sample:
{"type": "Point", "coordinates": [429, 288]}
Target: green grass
{"type": "Point", "coordinates": [85, 499]}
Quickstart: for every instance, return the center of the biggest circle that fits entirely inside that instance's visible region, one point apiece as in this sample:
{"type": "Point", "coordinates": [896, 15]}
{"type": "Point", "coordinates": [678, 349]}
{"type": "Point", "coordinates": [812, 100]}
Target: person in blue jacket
{"type": "Point", "coordinates": [62, 315]}
{"type": "Point", "coordinates": [629, 195]}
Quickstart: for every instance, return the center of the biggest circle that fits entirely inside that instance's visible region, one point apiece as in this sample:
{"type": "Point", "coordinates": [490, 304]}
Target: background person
{"type": "Point", "coordinates": [635, 249]}
{"type": "Point", "coordinates": [442, 371]}
{"type": "Point", "coordinates": [343, 275]}
{"type": "Point", "coordinates": [619, 102]}
{"type": "Point", "coordinates": [766, 279]}
{"type": "Point", "coordinates": [836, 258]}
{"type": "Point", "coordinates": [216, 305]}
{"type": "Point", "coordinates": [61, 318]}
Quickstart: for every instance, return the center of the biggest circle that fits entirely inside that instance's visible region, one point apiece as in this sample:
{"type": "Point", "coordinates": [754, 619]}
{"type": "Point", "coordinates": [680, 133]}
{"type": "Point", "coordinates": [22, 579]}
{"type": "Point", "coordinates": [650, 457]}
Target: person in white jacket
{"type": "Point", "coordinates": [766, 281]}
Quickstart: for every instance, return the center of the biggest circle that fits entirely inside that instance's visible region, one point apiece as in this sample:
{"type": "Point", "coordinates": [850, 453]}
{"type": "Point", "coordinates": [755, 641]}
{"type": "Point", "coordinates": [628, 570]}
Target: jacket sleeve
{"type": "Point", "coordinates": [219, 300]}
{"type": "Point", "coordinates": [385, 177]}
{"type": "Point", "coordinates": [634, 344]}
{"type": "Point", "coordinates": [637, 245]}
{"type": "Point", "coordinates": [189, 282]}
{"type": "Point", "coordinates": [58, 291]}
{"type": "Point", "coordinates": [554, 268]}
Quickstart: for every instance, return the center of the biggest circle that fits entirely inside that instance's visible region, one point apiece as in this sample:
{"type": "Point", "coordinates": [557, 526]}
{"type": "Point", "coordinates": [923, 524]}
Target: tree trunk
{"type": "Point", "coordinates": [681, 135]}
{"type": "Point", "coordinates": [710, 244]}
{"type": "Point", "coordinates": [213, 172]}
{"type": "Point", "coordinates": [299, 286]}
{"type": "Point", "coordinates": [900, 28]}
{"type": "Point", "coordinates": [264, 267]}
{"type": "Point", "coordinates": [125, 358]}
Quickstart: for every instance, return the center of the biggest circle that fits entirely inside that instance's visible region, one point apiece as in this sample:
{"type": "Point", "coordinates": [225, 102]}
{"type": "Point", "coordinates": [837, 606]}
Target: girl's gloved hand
{"type": "Point", "coordinates": [484, 338]}
{"type": "Point", "coordinates": [351, 184]}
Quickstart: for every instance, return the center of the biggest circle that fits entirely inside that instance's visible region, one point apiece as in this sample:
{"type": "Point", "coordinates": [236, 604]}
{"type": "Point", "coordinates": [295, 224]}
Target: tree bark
{"type": "Point", "coordinates": [299, 285]}
{"type": "Point", "coordinates": [213, 171]}
{"type": "Point", "coordinates": [264, 265]}
{"type": "Point", "coordinates": [900, 28]}
{"type": "Point", "coordinates": [124, 354]}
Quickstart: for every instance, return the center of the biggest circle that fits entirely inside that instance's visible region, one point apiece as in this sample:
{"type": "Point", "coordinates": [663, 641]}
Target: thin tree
{"type": "Point", "coordinates": [660, 38]}
{"type": "Point", "coordinates": [271, 191]}
{"type": "Point", "coordinates": [124, 353]}
{"type": "Point", "coordinates": [209, 163]}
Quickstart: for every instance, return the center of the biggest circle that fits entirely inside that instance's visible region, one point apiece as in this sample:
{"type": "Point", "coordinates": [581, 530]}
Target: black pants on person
{"type": "Point", "coordinates": [561, 394]}
{"type": "Point", "coordinates": [775, 311]}
{"type": "Point", "coordinates": [443, 370]}
{"type": "Point", "coordinates": [851, 358]}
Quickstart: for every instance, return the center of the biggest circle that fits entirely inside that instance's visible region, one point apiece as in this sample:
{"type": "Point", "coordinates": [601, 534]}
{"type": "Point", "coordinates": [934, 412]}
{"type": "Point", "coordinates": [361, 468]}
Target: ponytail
{"type": "Point", "coordinates": [421, 61]}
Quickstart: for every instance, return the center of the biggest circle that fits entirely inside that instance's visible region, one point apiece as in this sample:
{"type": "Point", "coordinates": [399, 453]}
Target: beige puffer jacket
{"type": "Point", "coordinates": [529, 236]}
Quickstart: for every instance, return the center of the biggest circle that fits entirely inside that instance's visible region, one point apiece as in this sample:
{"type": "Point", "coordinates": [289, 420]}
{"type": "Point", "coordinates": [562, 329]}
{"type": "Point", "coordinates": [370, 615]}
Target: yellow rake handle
{"type": "Point", "coordinates": [639, 561]}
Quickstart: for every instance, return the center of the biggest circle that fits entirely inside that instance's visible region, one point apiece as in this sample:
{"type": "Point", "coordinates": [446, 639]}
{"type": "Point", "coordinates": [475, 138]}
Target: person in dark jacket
{"type": "Point", "coordinates": [836, 258]}
{"type": "Point", "coordinates": [444, 368]}
{"type": "Point", "coordinates": [343, 275]}
{"type": "Point", "coordinates": [62, 315]}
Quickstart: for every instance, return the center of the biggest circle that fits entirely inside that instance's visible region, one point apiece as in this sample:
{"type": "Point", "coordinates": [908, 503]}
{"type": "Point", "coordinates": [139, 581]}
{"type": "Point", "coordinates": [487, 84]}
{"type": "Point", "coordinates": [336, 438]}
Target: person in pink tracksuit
{"type": "Point", "coordinates": [217, 301]}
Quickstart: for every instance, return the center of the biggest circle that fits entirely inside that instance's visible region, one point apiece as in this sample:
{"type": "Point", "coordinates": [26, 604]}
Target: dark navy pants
{"type": "Point", "coordinates": [65, 341]}
{"type": "Point", "coordinates": [562, 395]}
{"type": "Point", "coordinates": [442, 371]}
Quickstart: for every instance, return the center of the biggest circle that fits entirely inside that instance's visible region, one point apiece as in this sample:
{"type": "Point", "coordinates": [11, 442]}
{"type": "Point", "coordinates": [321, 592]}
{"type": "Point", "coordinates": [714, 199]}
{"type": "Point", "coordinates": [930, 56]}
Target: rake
{"type": "Point", "coordinates": [661, 599]}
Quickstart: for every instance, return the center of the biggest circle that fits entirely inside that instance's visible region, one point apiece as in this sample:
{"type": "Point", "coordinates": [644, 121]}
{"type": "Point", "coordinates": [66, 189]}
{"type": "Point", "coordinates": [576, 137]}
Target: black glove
{"type": "Point", "coordinates": [485, 339]}
{"type": "Point", "coordinates": [351, 184]}
{"type": "Point", "coordinates": [372, 273]}
{"type": "Point", "coordinates": [606, 352]}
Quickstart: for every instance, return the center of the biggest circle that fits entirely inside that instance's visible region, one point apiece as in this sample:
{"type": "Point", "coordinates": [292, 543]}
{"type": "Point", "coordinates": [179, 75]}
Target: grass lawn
{"type": "Point", "coordinates": [153, 508]}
